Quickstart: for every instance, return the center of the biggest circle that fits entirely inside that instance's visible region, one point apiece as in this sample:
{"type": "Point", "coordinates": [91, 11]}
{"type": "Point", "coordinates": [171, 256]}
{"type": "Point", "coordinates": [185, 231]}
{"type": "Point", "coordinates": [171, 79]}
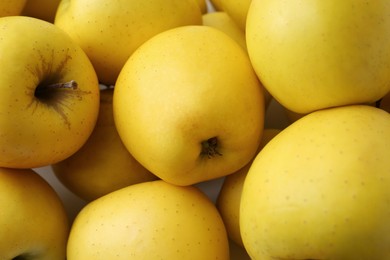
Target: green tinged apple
{"type": "Point", "coordinates": [320, 189]}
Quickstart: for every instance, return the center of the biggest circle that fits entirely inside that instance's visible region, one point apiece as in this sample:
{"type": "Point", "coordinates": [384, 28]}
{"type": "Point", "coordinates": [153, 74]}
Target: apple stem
{"type": "Point", "coordinates": [209, 147]}
{"type": "Point", "coordinates": [43, 90]}
{"type": "Point", "coordinates": [71, 84]}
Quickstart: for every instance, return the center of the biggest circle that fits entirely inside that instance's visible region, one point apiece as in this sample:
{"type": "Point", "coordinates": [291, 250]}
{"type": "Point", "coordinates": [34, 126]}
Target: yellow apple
{"type": "Point", "coordinates": [216, 5]}
{"type": "Point", "coordinates": [109, 32]}
{"type": "Point", "coordinates": [188, 105]}
{"type": "Point", "coordinates": [11, 7]}
{"type": "Point", "coordinates": [103, 164]}
{"type": "Point", "coordinates": [320, 189]}
{"type": "Point", "coordinates": [237, 10]}
{"type": "Point", "coordinates": [229, 197]}
{"type": "Point", "coordinates": [222, 21]}
{"type": "Point", "coordinates": [202, 5]}
{"type": "Point", "coordinates": [149, 220]}
{"type": "Point", "coordinates": [33, 220]}
{"type": "Point", "coordinates": [318, 54]}
{"type": "Point", "coordinates": [50, 94]}
{"type": "Point", "coordinates": [41, 9]}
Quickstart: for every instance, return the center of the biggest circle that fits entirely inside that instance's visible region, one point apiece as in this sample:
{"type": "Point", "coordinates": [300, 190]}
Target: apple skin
{"type": "Point", "coordinates": [320, 189]}
{"type": "Point", "coordinates": [317, 54]}
{"type": "Point", "coordinates": [33, 220]}
{"type": "Point", "coordinates": [11, 7]}
{"type": "Point", "coordinates": [202, 5]}
{"type": "Point", "coordinates": [41, 126]}
{"type": "Point", "coordinates": [216, 5]}
{"type": "Point", "coordinates": [223, 22]}
{"type": "Point", "coordinates": [41, 9]}
{"type": "Point", "coordinates": [149, 220]}
{"type": "Point", "coordinates": [229, 197]}
{"type": "Point", "coordinates": [184, 87]}
{"type": "Point", "coordinates": [237, 10]}
{"type": "Point", "coordinates": [103, 164]}
{"type": "Point", "coordinates": [110, 32]}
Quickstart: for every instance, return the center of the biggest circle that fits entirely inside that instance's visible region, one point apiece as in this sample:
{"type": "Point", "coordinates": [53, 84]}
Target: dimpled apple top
{"type": "Point", "coordinates": [317, 54]}
{"type": "Point", "coordinates": [320, 189]}
{"type": "Point", "coordinates": [49, 98]}
{"type": "Point", "coordinates": [188, 105]}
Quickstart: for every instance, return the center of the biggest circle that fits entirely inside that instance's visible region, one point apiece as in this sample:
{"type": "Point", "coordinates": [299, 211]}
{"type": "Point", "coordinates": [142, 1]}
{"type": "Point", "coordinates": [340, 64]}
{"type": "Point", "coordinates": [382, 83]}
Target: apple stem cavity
{"type": "Point", "coordinates": [209, 148]}
{"type": "Point", "coordinates": [46, 91]}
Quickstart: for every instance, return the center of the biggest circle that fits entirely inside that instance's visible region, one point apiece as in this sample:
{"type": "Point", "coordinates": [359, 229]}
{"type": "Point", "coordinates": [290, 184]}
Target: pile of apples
{"type": "Point", "coordinates": [193, 129]}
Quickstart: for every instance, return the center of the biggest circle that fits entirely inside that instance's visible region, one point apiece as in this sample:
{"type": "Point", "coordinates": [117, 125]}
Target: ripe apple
{"type": "Point", "coordinates": [41, 9]}
{"type": "Point", "coordinates": [229, 197]}
{"type": "Point", "coordinates": [109, 32]}
{"type": "Point", "coordinates": [202, 5]}
{"type": "Point", "coordinates": [149, 220]}
{"type": "Point", "coordinates": [188, 105]}
{"type": "Point", "coordinates": [216, 5]}
{"type": "Point", "coordinates": [11, 7]}
{"type": "Point", "coordinates": [50, 94]}
{"type": "Point", "coordinates": [222, 21]}
{"type": "Point", "coordinates": [237, 10]}
{"type": "Point", "coordinates": [33, 220]}
{"type": "Point", "coordinates": [318, 54]}
{"type": "Point", "coordinates": [103, 164]}
{"type": "Point", "coordinates": [320, 189]}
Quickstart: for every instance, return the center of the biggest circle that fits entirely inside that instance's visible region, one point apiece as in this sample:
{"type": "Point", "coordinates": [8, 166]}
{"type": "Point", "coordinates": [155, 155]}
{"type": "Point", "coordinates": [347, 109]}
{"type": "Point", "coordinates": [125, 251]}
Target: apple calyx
{"type": "Point", "coordinates": [209, 148]}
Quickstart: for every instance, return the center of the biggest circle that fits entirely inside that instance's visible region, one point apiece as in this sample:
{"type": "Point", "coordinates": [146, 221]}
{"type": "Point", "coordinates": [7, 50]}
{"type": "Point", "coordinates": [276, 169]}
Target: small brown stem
{"type": "Point", "coordinates": [71, 84]}
{"type": "Point", "coordinates": [209, 148]}
{"type": "Point", "coordinates": [45, 91]}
